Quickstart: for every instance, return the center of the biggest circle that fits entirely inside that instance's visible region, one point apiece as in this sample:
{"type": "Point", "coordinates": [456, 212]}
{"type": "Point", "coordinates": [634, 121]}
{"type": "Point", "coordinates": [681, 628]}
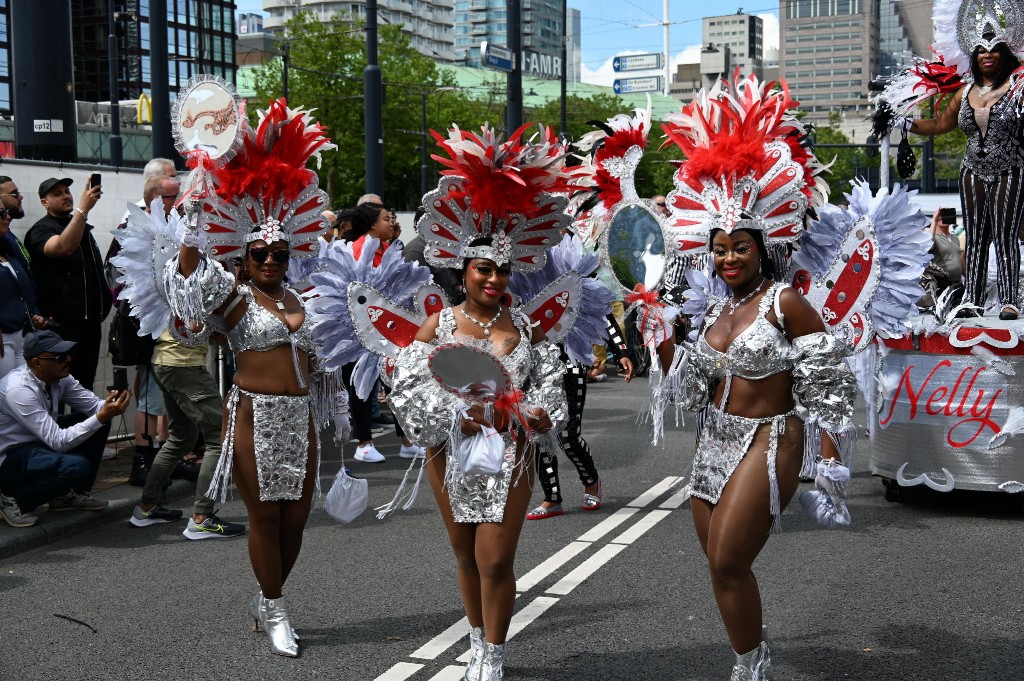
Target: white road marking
{"type": "Point", "coordinates": [539, 573]}
{"type": "Point", "coordinates": [654, 492]}
{"type": "Point", "coordinates": [607, 525]}
{"type": "Point", "coordinates": [587, 568]}
{"type": "Point", "coordinates": [677, 499]}
{"type": "Point", "coordinates": [521, 619]}
{"type": "Point", "coordinates": [453, 672]}
{"type": "Point", "coordinates": [400, 672]}
{"type": "Point", "coordinates": [637, 530]}
{"type": "Point", "coordinates": [443, 641]}
{"type": "Point", "coordinates": [535, 608]}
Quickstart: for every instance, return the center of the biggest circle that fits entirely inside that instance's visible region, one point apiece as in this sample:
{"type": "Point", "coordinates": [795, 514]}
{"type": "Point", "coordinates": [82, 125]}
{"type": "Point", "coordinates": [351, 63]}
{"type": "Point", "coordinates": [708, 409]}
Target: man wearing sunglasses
{"type": "Point", "coordinates": [46, 456]}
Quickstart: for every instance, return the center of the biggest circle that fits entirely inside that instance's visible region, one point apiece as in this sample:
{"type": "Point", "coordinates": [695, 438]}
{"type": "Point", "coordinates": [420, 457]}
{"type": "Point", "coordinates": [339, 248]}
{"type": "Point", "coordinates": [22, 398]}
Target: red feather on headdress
{"type": "Point", "coordinates": [504, 178]}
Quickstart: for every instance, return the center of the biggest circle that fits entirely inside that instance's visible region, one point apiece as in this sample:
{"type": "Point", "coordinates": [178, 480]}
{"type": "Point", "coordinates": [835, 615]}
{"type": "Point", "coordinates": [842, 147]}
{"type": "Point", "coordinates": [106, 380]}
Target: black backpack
{"type": "Point", "coordinates": [126, 346]}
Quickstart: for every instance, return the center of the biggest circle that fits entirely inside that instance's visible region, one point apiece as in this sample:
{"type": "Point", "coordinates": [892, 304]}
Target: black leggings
{"type": "Point", "coordinates": [993, 212]}
{"type": "Point", "coordinates": [361, 411]}
{"type": "Point", "coordinates": [570, 438]}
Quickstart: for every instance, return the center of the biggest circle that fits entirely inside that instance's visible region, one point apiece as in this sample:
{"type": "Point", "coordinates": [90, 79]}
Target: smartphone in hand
{"type": "Point", "coordinates": [95, 180]}
{"type": "Point", "coordinates": [948, 216]}
{"type": "Point", "coordinates": [120, 380]}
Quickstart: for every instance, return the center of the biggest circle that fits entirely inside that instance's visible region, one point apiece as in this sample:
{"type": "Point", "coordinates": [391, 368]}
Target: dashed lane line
{"type": "Point", "coordinates": [535, 608]}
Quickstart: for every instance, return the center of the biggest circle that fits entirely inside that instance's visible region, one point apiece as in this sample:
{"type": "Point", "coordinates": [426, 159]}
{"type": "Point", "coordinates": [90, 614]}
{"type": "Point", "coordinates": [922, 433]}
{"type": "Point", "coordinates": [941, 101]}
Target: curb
{"type": "Point", "coordinates": [53, 527]}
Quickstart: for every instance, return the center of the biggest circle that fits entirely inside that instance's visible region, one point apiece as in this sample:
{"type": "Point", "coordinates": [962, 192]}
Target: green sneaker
{"type": "Point", "coordinates": [212, 528]}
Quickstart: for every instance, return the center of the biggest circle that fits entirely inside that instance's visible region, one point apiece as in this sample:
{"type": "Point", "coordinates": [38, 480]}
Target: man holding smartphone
{"type": "Point", "coordinates": [46, 456]}
{"type": "Point", "coordinates": [68, 271]}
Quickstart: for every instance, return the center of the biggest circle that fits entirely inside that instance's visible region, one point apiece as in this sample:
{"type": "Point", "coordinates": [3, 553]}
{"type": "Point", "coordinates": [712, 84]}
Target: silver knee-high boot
{"type": "Point", "coordinates": [494, 658]}
{"type": "Point", "coordinates": [476, 647]}
{"type": "Point", "coordinates": [274, 618]}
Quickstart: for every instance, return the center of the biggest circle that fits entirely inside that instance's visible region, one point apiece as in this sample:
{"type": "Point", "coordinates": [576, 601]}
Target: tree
{"type": "Point", "coordinates": [326, 73]}
{"type": "Point", "coordinates": [848, 163]}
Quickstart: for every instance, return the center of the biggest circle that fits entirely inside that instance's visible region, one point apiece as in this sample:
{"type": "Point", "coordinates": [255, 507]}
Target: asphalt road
{"type": "Point", "coordinates": [924, 589]}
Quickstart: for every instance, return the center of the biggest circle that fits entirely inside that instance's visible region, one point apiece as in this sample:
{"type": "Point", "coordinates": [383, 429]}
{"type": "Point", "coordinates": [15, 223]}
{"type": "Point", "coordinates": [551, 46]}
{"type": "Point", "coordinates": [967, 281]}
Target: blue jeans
{"type": "Point", "coordinates": [34, 474]}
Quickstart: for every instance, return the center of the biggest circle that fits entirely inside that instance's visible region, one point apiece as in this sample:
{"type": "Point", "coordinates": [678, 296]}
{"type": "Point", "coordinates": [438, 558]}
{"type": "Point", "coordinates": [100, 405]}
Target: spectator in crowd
{"type": "Point", "coordinates": [369, 198]}
{"type": "Point", "coordinates": [68, 271]}
{"type": "Point", "coordinates": [946, 268]}
{"type": "Point", "coordinates": [343, 225]}
{"type": "Point", "coordinates": [11, 198]}
{"type": "Point", "coordinates": [46, 456]}
{"type": "Point", "coordinates": [661, 205]}
{"type": "Point", "coordinates": [157, 167]}
{"type": "Point", "coordinates": [150, 424]}
{"type": "Point", "coordinates": [19, 312]}
{"type": "Point", "coordinates": [372, 220]}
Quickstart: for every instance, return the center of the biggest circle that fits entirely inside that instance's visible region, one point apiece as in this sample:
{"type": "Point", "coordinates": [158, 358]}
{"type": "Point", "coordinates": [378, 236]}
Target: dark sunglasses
{"type": "Point", "coordinates": [62, 357]}
{"type": "Point", "coordinates": [4, 213]}
{"type": "Point", "coordinates": [488, 270]}
{"type": "Point", "coordinates": [261, 254]}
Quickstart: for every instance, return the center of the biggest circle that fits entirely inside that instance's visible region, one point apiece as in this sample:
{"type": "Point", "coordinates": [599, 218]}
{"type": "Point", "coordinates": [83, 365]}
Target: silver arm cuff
{"type": "Point", "coordinates": [823, 384]}
{"type": "Point", "coordinates": [547, 389]}
{"type": "Point", "coordinates": [194, 298]}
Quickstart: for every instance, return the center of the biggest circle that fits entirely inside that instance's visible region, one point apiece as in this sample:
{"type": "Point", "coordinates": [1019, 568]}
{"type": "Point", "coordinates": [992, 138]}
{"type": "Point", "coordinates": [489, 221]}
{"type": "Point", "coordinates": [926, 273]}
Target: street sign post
{"type": "Point", "coordinates": [637, 62]}
{"type": "Point", "coordinates": [625, 86]}
{"type": "Point", "coordinates": [497, 58]}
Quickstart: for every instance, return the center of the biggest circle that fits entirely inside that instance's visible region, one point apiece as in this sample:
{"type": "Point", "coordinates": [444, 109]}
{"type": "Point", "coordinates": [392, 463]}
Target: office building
{"type": "Point", "coordinates": [477, 21]}
{"type": "Point", "coordinates": [200, 39]}
{"type": "Point", "coordinates": [831, 50]}
{"type": "Point", "coordinates": [428, 23]}
{"type": "Point", "coordinates": [250, 23]}
{"type": "Point", "coordinates": [739, 39]}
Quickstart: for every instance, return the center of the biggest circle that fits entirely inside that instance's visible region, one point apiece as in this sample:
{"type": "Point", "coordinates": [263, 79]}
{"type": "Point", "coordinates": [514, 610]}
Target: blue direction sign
{"type": "Point", "coordinates": [637, 62]}
{"type": "Point", "coordinates": [494, 57]}
{"type": "Point", "coordinates": [625, 86]}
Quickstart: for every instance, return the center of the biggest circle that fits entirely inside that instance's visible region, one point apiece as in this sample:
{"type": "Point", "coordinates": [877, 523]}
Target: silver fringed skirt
{"type": "Point", "coordinates": [482, 498]}
{"type": "Point", "coordinates": [281, 444]}
{"type": "Point", "coordinates": [726, 438]}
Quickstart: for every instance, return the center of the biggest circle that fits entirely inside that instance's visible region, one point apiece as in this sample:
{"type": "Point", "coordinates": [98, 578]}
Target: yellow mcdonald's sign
{"type": "Point", "coordinates": [144, 109]}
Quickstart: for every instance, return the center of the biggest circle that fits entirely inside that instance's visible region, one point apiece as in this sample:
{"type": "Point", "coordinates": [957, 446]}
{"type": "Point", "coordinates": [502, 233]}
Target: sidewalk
{"type": "Point", "coordinates": [111, 484]}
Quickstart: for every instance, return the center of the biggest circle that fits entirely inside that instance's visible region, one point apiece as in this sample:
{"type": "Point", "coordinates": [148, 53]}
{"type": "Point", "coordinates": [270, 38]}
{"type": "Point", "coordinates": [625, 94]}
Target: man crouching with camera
{"type": "Point", "coordinates": [46, 456]}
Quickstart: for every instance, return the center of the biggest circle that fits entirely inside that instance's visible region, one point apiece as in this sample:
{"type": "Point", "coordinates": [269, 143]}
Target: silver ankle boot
{"type": "Point", "coordinates": [254, 611]}
{"type": "Point", "coordinates": [753, 666]}
{"type": "Point", "coordinates": [274, 618]}
{"type": "Point", "coordinates": [493, 659]}
{"type": "Point", "coordinates": [476, 647]}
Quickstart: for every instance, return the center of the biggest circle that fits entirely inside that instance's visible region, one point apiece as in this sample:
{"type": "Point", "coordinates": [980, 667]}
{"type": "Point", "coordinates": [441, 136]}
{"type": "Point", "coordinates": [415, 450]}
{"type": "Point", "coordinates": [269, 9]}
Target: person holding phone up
{"type": "Point", "coordinates": [46, 456]}
{"type": "Point", "coordinates": [68, 270]}
{"type": "Point", "coordinates": [946, 268]}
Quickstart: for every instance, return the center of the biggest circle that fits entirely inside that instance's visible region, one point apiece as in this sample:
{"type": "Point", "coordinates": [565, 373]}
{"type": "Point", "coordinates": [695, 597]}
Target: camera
{"type": "Point", "coordinates": [120, 379]}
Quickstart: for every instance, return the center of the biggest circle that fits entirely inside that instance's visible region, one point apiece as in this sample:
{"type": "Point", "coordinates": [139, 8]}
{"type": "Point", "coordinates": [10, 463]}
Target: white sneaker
{"type": "Point", "coordinates": [13, 514]}
{"type": "Point", "coordinates": [368, 454]}
{"type": "Point", "coordinates": [412, 452]}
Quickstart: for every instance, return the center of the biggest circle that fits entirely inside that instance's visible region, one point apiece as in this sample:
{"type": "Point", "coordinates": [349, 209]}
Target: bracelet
{"type": "Point", "coordinates": [85, 216]}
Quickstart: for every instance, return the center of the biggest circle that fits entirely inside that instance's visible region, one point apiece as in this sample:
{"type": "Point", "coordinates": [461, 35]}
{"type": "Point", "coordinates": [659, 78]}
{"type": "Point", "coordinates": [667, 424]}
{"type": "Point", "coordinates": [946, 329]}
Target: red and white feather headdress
{"type": "Point", "coordinates": [747, 165]}
{"type": "Point", "coordinates": [513, 192]}
{"type": "Point", "coordinates": [266, 191]}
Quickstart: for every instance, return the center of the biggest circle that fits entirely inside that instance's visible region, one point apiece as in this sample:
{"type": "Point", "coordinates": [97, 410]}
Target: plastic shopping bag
{"type": "Point", "coordinates": [483, 453]}
{"type": "Point", "coordinates": [347, 498]}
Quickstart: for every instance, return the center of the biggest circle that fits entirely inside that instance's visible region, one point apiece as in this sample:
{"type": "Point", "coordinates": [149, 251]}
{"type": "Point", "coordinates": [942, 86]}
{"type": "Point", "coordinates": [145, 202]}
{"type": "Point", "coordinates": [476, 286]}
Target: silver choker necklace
{"type": "Point", "coordinates": [733, 304]}
{"type": "Point", "coordinates": [985, 89]}
{"type": "Point", "coordinates": [486, 327]}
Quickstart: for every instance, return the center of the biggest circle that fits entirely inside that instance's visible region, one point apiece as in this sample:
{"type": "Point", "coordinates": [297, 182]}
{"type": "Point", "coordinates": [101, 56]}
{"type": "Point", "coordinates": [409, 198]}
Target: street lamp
{"type": "Point", "coordinates": [424, 158]}
{"type": "Point", "coordinates": [116, 156]}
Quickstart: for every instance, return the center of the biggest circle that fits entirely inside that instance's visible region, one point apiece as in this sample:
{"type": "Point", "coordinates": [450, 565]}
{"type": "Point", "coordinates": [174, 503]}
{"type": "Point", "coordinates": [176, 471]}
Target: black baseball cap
{"type": "Point", "coordinates": [49, 184]}
{"type": "Point", "coordinates": [45, 341]}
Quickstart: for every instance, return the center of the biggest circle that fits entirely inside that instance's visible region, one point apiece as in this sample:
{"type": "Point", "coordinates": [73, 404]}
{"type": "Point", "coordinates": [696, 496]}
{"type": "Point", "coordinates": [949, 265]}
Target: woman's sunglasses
{"type": "Point", "coordinates": [261, 254]}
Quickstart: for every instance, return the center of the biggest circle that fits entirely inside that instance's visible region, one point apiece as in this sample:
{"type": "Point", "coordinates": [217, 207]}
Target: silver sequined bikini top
{"type": "Point", "coordinates": [999, 150]}
{"type": "Point", "coordinates": [517, 363]}
{"type": "Point", "coordinates": [260, 330]}
{"type": "Point", "coordinates": [758, 352]}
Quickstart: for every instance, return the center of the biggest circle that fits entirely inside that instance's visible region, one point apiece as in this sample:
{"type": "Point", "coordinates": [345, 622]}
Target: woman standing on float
{"type": "Point", "coordinates": [987, 108]}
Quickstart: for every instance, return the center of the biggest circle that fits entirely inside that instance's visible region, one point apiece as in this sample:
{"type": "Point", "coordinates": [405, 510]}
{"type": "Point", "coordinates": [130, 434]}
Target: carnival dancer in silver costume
{"type": "Point", "coordinates": [769, 380]}
{"type": "Point", "coordinates": [492, 214]}
{"type": "Point", "coordinates": [264, 207]}
{"type": "Point", "coordinates": [978, 43]}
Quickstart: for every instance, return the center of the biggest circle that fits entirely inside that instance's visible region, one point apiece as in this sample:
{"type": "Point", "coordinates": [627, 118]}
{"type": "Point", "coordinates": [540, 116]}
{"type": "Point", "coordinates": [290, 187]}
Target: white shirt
{"type": "Point", "coordinates": [28, 411]}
